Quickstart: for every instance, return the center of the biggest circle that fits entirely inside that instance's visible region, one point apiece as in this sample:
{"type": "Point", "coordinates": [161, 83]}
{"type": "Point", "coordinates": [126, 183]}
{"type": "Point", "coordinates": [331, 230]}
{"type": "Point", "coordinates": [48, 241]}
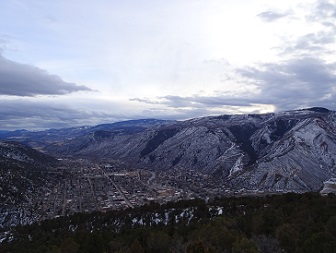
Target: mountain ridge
{"type": "Point", "coordinates": [287, 151]}
{"type": "Point", "coordinates": [273, 152]}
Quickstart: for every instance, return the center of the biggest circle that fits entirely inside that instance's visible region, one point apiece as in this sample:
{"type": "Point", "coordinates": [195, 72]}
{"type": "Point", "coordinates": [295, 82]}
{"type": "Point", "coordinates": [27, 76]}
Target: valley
{"type": "Point", "coordinates": [60, 172]}
{"type": "Point", "coordinates": [84, 186]}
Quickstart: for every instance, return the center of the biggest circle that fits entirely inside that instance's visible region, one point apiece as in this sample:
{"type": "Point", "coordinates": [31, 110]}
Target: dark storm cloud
{"type": "Point", "coordinates": [270, 16]}
{"type": "Point", "coordinates": [18, 79]}
{"type": "Point", "coordinates": [294, 83]}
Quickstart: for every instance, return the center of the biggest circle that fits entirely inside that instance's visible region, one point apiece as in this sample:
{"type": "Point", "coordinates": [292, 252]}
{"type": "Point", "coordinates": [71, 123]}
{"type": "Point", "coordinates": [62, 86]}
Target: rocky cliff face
{"type": "Point", "coordinates": [299, 158]}
{"type": "Point", "coordinates": [290, 151]}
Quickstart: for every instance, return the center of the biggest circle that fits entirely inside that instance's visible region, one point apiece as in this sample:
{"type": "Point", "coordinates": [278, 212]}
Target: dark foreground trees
{"type": "Point", "coordinates": [279, 223]}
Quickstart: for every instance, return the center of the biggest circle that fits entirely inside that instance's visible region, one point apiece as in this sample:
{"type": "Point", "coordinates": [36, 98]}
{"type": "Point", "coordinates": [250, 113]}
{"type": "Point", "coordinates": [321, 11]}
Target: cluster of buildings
{"type": "Point", "coordinates": [87, 187]}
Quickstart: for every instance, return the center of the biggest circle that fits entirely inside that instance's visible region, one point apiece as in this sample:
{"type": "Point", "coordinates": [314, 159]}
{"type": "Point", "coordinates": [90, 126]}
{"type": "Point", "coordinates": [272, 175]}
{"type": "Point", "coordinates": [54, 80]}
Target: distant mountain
{"type": "Point", "coordinates": [288, 151]}
{"type": "Point", "coordinates": [40, 139]}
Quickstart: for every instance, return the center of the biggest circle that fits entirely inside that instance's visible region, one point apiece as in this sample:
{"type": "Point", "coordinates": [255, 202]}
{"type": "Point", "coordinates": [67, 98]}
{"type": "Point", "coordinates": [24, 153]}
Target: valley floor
{"type": "Point", "coordinates": [85, 186]}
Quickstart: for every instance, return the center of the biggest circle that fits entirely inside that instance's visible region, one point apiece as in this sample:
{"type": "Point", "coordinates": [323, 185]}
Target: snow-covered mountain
{"type": "Point", "coordinates": [288, 151]}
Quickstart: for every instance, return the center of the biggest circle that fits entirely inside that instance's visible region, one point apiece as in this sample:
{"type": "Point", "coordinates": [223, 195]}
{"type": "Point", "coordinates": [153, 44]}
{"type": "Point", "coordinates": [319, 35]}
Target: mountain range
{"type": "Point", "coordinates": [274, 152]}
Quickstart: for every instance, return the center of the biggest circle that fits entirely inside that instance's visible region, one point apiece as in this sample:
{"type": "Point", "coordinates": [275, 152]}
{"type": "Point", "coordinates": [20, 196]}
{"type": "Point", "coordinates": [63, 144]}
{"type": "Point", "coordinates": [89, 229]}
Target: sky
{"type": "Point", "coordinates": [73, 63]}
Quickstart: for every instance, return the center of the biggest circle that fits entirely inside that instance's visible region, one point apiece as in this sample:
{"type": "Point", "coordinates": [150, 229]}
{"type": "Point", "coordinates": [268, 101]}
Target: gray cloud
{"type": "Point", "coordinates": [290, 84]}
{"type": "Point", "coordinates": [324, 12]}
{"type": "Point", "coordinates": [294, 83]}
{"type": "Point", "coordinates": [197, 102]}
{"type": "Point", "coordinates": [184, 113]}
{"type": "Point", "coordinates": [312, 42]}
{"type": "Point", "coordinates": [18, 79]}
{"type": "Point", "coordinates": [33, 114]}
{"type": "Point", "coordinates": [300, 80]}
{"type": "Point", "coordinates": [198, 107]}
{"type": "Point", "coordinates": [270, 16]}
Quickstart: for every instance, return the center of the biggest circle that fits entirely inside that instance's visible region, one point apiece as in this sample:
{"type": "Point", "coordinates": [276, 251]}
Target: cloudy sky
{"type": "Point", "coordinates": [67, 63]}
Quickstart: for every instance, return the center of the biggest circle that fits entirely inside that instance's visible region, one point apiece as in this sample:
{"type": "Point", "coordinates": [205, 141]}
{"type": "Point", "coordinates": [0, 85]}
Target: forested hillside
{"type": "Point", "coordinates": [278, 223]}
